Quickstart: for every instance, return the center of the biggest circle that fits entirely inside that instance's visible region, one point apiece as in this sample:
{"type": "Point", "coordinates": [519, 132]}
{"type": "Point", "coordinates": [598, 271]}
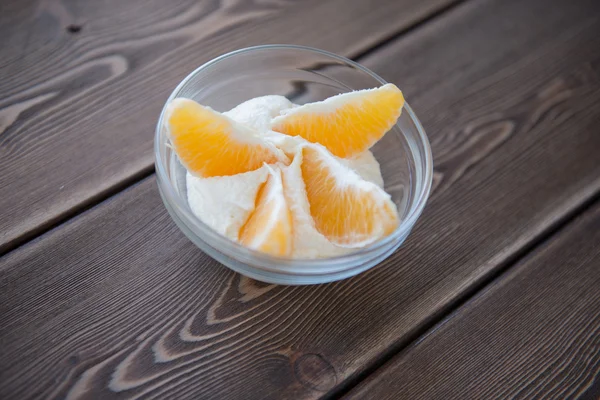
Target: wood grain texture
{"type": "Point", "coordinates": [118, 303]}
{"type": "Point", "coordinates": [83, 83]}
{"type": "Point", "coordinates": [532, 334]}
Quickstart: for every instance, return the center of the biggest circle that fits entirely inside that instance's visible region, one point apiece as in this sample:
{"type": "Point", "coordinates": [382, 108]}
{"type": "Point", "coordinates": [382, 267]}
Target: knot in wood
{"type": "Point", "coordinates": [315, 372]}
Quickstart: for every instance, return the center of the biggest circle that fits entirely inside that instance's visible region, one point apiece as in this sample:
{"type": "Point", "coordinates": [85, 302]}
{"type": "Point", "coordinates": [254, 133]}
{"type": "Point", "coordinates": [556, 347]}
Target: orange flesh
{"type": "Point", "coordinates": [210, 144]}
{"type": "Point", "coordinates": [269, 227]}
{"type": "Point", "coordinates": [349, 213]}
{"type": "Point", "coordinates": [347, 124]}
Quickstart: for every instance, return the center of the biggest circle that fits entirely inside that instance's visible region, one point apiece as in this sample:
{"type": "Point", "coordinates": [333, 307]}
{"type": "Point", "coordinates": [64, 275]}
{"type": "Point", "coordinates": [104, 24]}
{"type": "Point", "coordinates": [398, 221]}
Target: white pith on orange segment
{"type": "Point", "coordinates": [210, 144]}
{"type": "Point", "coordinates": [346, 124]}
{"type": "Point", "coordinates": [346, 209]}
{"type": "Point", "coordinates": [269, 227]}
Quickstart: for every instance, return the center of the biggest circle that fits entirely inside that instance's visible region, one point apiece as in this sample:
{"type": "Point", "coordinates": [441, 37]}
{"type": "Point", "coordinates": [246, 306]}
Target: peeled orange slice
{"type": "Point", "coordinates": [346, 124]}
{"type": "Point", "coordinates": [211, 144]}
{"type": "Point", "coordinates": [269, 227]}
{"type": "Point", "coordinates": [346, 209]}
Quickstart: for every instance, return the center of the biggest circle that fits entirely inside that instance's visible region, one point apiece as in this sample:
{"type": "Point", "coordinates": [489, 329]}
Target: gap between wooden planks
{"type": "Point", "coordinates": [77, 115]}
{"type": "Point", "coordinates": [533, 333]}
{"type": "Point", "coordinates": [131, 306]}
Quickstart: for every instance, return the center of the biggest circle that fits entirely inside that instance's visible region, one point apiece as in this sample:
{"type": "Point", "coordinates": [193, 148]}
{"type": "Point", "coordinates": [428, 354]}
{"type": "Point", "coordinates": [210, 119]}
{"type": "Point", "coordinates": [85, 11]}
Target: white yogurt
{"type": "Point", "coordinates": [225, 203]}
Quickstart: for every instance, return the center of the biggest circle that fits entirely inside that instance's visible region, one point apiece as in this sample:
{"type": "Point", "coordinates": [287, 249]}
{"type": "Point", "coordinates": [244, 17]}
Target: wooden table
{"type": "Point", "coordinates": [496, 293]}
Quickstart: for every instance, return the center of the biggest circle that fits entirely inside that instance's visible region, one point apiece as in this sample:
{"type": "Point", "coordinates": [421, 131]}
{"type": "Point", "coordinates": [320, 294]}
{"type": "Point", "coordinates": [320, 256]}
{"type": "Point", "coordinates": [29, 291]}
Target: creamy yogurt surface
{"type": "Point", "coordinates": [225, 202]}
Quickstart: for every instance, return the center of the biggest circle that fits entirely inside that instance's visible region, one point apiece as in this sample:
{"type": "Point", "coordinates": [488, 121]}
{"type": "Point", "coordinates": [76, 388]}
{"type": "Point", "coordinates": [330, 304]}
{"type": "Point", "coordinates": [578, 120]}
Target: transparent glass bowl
{"type": "Point", "coordinates": [303, 75]}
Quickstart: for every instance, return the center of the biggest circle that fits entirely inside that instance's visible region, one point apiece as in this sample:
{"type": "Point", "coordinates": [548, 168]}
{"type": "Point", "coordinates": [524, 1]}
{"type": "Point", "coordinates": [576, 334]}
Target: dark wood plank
{"type": "Point", "coordinates": [84, 82]}
{"type": "Point", "coordinates": [533, 334]}
{"type": "Point", "coordinates": [118, 302]}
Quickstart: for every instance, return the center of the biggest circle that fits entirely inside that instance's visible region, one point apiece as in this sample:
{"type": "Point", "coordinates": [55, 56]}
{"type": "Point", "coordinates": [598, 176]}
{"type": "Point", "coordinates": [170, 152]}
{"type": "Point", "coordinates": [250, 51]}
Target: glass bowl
{"type": "Point", "coordinates": [303, 75]}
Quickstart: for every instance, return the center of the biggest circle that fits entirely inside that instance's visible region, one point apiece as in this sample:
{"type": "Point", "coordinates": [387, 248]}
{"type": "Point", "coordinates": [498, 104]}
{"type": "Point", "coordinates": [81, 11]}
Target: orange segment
{"type": "Point", "coordinates": [346, 209]}
{"type": "Point", "coordinates": [346, 124]}
{"type": "Point", "coordinates": [269, 228]}
{"type": "Point", "coordinates": [210, 144]}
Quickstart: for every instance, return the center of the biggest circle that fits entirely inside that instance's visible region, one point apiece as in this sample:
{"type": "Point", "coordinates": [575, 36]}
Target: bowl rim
{"type": "Point", "coordinates": [305, 266]}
